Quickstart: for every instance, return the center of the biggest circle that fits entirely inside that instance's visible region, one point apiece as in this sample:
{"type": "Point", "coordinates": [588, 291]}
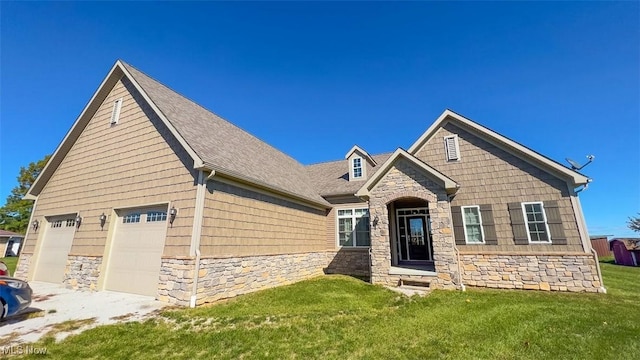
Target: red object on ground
{"type": "Point", "coordinates": [4, 270]}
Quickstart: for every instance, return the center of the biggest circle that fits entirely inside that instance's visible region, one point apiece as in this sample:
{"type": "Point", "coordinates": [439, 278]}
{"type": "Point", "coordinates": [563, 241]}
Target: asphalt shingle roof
{"type": "Point", "coordinates": [225, 147]}
{"type": "Point", "coordinates": [331, 178]}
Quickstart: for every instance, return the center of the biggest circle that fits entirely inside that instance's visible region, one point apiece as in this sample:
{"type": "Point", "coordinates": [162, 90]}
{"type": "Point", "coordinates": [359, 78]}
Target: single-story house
{"type": "Point", "coordinates": [10, 243]}
{"type": "Point", "coordinates": [626, 251]}
{"type": "Point", "coordinates": [151, 193]}
{"type": "Point", "coordinates": [600, 243]}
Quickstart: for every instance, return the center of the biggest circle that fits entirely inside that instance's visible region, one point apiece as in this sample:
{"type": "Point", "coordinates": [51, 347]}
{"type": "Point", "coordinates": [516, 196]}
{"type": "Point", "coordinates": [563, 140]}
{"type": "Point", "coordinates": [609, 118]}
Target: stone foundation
{"type": "Point", "coordinates": [82, 272]}
{"type": "Point", "coordinates": [22, 270]}
{"type": "Point", "coordinates": [349, 261]}
{"type": "Point", "coordinates": [575, 273]}
{"type": "Point", "coordinates": [221, 278]}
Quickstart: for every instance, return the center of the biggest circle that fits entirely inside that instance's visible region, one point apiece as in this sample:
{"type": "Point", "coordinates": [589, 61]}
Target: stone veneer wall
{"type": "Point", "coordinates": [404, 180]}
{"type": "Point", "coordinates": [574, 272]}
{"type": "Point", "coordinates": [82, 272]}
{"type": "Point", "coordinates": [350, 261]}
{"type": "Point", "coordinates": [22, 270]}
{"type": "Point", "coordinates": [226, 277]}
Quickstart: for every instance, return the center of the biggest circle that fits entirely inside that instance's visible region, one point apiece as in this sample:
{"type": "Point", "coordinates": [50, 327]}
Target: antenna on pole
{"type": "Point", "coordinates": [576, 166]}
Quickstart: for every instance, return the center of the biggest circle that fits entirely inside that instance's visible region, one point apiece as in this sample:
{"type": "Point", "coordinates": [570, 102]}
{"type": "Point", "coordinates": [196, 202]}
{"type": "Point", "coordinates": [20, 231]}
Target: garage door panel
{"type": "Point", "coordinates": [54, 249]}
{"type": "Point", "coordinates": [136, 251]}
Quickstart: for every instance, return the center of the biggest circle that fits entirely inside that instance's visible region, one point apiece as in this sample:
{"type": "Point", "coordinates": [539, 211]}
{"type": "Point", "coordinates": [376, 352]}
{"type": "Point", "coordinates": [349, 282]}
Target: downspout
{"type": "Point", "coordinates": [196, 233]}
{"type": "Point", "coordinates": [595, 257]}
{"type": "Point", "coordinates": [24, 242]}
{"type": "Point", "coordinates": [582, 229]}
{"type": "Point", "coordinates": [462, 287]}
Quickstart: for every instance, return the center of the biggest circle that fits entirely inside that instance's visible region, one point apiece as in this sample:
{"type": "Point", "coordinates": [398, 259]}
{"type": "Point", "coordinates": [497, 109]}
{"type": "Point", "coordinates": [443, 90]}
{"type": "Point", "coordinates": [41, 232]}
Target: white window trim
{"type": "Point", "coordinates": [526, 222]}
{"type": "Point", "coordinates": [115, 112]}
{"type": "Point", "coordinates": [353, 226]}
{"type": "Point", "coordinates": [353, 168]}
{"type": "Point", "coordinates": [464, 225]}
{"type": "Point", "coordinates": [456, 148]}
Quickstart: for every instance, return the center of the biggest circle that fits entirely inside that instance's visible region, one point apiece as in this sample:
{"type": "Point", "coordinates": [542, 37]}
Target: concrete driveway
{"type": "Point", "coordinates": [53, 304]}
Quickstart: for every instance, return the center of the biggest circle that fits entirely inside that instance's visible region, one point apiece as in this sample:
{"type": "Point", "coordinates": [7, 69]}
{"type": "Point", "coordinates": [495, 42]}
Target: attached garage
{"type": "Point", "coordinates": [55, 247]}
{"type": "Point", "coordinates": [136, 249]}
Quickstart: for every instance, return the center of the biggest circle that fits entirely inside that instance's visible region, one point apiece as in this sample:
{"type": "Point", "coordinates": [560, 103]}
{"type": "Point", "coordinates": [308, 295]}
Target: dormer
{"type": "Point", "coordinates": [357, 160]}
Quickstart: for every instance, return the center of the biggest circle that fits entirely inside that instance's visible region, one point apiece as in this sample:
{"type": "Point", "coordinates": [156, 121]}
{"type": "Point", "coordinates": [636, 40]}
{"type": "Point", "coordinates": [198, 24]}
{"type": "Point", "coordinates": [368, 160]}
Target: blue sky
{"type": "Point", "coordinates": [312, 79]}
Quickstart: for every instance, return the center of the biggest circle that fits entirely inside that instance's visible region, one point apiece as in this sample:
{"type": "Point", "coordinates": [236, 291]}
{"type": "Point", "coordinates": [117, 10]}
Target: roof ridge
{"type": "Point", "coordinates": [223, 145]}
{"type": "Point", "coordinates": [213, 113]}
{"type": "Point", "coordinates": [339, 160]}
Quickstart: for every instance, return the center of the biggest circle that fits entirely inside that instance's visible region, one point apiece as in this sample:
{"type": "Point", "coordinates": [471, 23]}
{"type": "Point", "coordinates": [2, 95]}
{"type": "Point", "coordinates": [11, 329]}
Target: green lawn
{"type": "Point", "coordinates": [11, 262]}
{"type": "Point", "coordinates": [338, 317]}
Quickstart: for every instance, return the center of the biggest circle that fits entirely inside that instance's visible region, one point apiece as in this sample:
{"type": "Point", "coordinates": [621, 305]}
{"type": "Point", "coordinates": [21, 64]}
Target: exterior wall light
{"type": "Point", "coordinates": [103, 220]}
{"type": "Point", "coordinates": [375, 221]}
{"type": "Point", "coordinates": [78, 221]}
{"type": "Point", "coordinates": [172, 215]}
{"type": "Point", "coordinates": [35, 224]}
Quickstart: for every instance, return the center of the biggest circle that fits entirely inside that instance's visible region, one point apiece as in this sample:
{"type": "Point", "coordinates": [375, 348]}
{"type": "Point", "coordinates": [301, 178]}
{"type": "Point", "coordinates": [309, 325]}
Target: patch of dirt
{"type": "Point", "coordinates": [42, 297]}
{"type": "Point", "coordinates": [122, 317]}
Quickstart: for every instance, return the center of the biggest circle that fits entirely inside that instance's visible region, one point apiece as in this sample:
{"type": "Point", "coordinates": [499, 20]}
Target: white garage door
{"type": "Point", "coordinates": [136, 250]}
{"type": "Point", "coordinates": [55, 247]}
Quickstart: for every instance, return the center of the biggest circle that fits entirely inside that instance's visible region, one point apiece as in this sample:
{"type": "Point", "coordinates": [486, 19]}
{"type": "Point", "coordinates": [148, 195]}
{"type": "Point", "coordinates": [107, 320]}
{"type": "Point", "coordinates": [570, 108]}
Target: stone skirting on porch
{"type": "Point", "coordinates": [549, 272]}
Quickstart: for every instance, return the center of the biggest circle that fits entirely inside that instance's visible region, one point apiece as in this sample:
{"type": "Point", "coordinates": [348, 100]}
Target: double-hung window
{"type": "Point", "coordinates": [353, 227]}
{"type": "Point", "coordinates": [357, 168]}
{"type": "Point", "coordinates": [472, 220]}
{"type": "Point", "coordinates": [536, 219]}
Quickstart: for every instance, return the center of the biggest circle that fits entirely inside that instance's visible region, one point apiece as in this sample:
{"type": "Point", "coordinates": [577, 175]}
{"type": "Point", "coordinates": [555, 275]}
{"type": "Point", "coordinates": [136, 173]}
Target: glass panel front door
{"type": "Point", "coordinates": [413, 238]}
{"type": "Point", "coordinates": [417, 238]}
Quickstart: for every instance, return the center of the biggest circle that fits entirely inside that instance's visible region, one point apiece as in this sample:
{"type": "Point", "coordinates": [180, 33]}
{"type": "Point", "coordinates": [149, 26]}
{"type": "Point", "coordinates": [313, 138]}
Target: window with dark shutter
{"type": "Point", "coordinates": [458, 226]}
{"type": "Point", "coordinates": [490, 235]}
{"type": "Point", "coordinates": [554, 220]}
{"type": "Point", "coordinates": [518, 225]}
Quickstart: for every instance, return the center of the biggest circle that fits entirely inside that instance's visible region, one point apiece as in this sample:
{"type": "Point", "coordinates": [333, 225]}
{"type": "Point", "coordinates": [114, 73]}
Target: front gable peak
{"type": "Point", "coordinates": [520, 151]}
{"type": "Point", "coordinates": [448, 184]}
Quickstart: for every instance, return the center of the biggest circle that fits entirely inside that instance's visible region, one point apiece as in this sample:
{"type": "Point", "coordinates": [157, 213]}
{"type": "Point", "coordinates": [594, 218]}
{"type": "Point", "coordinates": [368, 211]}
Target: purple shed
{"type": "Point", "coordinates": [626, 251]}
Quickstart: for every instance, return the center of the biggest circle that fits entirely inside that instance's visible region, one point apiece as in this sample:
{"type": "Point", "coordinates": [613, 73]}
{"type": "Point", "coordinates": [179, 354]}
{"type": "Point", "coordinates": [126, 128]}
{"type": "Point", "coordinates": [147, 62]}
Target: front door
{"type": "Point", "coordinates": [413, 236]}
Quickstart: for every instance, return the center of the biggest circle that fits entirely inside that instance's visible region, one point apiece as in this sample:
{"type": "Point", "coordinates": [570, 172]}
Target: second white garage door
{"type": "Point", "coordinates": [136, 251]}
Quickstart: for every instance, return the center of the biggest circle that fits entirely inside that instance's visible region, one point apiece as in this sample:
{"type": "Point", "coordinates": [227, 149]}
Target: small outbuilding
{"type": "Point", "coordinates": [626, 251]}
{"type": "Point", "coordinates": [600, 243]}
{"type": "Point", "coordinates": [10, 243]}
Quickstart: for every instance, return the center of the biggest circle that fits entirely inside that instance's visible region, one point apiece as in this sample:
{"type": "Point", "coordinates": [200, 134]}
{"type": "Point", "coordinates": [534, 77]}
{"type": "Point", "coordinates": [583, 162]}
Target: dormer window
{"type": "Point", "coordinates": [356, 163]}
{"type": "Point", "coordinates": [357, 168]}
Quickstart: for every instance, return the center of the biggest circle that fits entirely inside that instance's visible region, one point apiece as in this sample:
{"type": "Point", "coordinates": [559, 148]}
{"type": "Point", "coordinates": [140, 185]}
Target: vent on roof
{"type": "Point", "coordinates": [452, 148]}
{"type": "Point", "coordinates": [115, 113]}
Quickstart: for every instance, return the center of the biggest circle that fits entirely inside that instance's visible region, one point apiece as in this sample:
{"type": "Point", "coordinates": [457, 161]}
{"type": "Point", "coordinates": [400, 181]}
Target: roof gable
{"type": "Point", "coordinates": [331, 178]}
{"type": "Point", "coordinates": [213, 143]}
{"type": "Point", "coordinates": [360, 152]}
{"type": "Point", "coordinates": [506, 144]}
{"type": "Point", "coordinates": [450, 186]}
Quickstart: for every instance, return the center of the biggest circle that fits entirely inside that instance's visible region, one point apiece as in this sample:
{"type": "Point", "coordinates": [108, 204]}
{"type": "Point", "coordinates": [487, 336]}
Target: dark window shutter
{"type": "Point", "coordinates": [518, 225]}
{"type": "Point", "coordinates": [458, 226]}
{"type": "Point", "coordinates": [488, 226]}
{"type": "Point", "coordinates": [554, 220]}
